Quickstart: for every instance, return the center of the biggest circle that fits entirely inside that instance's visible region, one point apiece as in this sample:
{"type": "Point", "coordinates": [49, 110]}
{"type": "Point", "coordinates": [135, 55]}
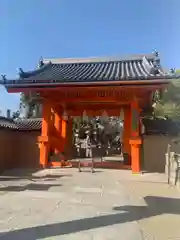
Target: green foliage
{"type": "Point", "coordinates": [30, 104]}
{"type": "Point", "coordinates": [16, 115]}
{"type": "Point", "coordinates": [169, 104]}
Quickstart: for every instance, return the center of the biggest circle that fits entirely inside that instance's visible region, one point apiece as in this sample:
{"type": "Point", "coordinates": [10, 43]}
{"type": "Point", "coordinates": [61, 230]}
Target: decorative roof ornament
{"type": "Point", "coordinates": [156, 69]}
{"type": "Point", "coordinates": [156, 65]}
{"type": "Point", "coordinates": [21, 72]}
{"type": "Point", "coordinates": [156, 53]}
{"type": "Point", "coordinates": [172, 70]}
{"type": "Point", "coordinates": [4, 78]}
{"type": "Point", "coordinates": [41, 62]}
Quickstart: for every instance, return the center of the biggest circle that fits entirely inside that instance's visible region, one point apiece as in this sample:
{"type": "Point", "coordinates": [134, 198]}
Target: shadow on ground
{"type": "Point", "coordinates": [155, 206]}
{"type": "Point", "coordinates": [32, 187]}
{"type": "Point", "coordinates": [30, 177]}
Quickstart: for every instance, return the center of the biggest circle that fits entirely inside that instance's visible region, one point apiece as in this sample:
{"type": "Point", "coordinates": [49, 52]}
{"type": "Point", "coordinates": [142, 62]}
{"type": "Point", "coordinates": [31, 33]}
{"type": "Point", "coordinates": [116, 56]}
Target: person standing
{"type": "Point", "coordinates": [88, 149]}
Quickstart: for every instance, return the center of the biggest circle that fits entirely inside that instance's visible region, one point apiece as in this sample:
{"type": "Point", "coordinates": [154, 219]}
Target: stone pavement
{"type": "Point", "coordinates": [109, 204]}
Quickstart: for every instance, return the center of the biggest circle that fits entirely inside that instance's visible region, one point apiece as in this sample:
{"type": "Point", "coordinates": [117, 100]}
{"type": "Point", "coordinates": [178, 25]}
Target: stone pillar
{"type": "Point", "coordinates": [135, 139]}
{"type": "Point", "coordinates": [174, 169]}
{"type": "Point", "coordinates": [43, 140]}
{"type": "Point", "coordinates": [126, 135]}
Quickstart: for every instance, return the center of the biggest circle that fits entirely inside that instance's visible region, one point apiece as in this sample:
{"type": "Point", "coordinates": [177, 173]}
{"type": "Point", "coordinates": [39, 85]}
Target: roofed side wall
{"type": "Point", "coordinates": [20, 150]}
{"type": "Point", "coordinates": [155, 147]}
{"type": "Point", "coordinates": [8, 149]}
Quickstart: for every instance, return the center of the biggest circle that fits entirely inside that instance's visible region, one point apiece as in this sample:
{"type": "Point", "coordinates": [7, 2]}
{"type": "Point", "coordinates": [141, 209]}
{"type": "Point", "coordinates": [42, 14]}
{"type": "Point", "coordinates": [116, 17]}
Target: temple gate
{"type": "Point", "coordinates": [68, 87]}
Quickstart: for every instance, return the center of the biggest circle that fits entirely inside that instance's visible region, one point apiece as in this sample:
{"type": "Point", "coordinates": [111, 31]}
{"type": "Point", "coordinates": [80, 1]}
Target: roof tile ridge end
{"type": "Point", "coordinates": [25, 74]}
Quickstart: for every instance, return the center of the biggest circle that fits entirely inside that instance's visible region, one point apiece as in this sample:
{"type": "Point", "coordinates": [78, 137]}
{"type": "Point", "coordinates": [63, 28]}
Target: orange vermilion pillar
{"type": "Point", "coordinates": [127, 135]}
{"type": "Point", "coordinates": [58, 126]}
{"type": "Point", "coordinates": [43, 140]}
{"type": "Point", "coordinates": [63, 133]}
{"type": "Point", "coordinates": [135, 140]}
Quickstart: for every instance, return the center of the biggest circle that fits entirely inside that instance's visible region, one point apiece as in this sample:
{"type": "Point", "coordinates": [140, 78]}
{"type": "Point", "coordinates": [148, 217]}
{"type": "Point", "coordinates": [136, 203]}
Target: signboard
{"type": "Point", "coordinates": [96, 94]}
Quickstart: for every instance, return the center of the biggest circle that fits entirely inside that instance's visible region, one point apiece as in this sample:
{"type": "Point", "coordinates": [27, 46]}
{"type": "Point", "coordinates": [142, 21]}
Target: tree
{"type": "Point", "coordinates": [169, 103]}
{"type": "Point", "coordinates": [16, 115]}
{"type": "Point", "coordinates": [30, 105]}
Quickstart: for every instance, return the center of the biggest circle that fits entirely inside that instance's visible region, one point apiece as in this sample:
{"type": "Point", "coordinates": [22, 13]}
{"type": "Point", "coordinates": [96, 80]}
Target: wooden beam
{"type": "Point", "coordinates": [85, 95]}
{"type": "Point", "coordinates": [97, 95]}
{"type": "Point", "coordinates": [123, 84]}
{"type": "Point", "coordinates": [93, 113]}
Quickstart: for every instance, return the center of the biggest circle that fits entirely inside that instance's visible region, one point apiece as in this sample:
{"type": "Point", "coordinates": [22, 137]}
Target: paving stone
{"type": "Point", "coordinates": [109, 204]}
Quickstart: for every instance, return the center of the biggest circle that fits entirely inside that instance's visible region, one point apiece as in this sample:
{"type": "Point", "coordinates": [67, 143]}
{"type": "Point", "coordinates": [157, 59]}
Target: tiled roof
{"type": "Point", "coordinates": [7, 123]}
{"type": "Point", "coordinates": [28, 124]}
{"type": "Point", "coordinates": [153, 127]}
{"type": "Point", "coordinates": [20, 124]}
{"type": "Point", "coordinates": [58, 71]}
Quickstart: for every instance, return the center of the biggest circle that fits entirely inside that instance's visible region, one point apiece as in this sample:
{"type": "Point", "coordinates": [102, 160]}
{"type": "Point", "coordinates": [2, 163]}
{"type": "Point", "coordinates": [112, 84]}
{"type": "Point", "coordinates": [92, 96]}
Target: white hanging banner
{"type": "Point", "coordinates": [85, 116]}
{"type": "Point", "coordinates": [121, 116]}
{"type": "Point", "coordinates": [104, 115]}
{"type": "Point", "coordinates": [65, 115]}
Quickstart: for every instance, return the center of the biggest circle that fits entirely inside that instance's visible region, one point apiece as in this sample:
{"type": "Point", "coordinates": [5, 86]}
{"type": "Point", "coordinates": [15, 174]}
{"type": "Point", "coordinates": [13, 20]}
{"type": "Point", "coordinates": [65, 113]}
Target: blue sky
{"type": "Point", "coordinates": [79, 28]}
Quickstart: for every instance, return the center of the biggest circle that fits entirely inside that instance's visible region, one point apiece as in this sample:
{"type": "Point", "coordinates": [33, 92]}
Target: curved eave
{"type": "Point", "coordinates": [89, 71]}
{"type": "Point", "coordinates": [122, 81]}
{"type": "Point", "coordinates": [140, 83]}
{"type": "Point", "coordinates": [33, 73]}
{"type": "Point", "coordinates": [107, 72]}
